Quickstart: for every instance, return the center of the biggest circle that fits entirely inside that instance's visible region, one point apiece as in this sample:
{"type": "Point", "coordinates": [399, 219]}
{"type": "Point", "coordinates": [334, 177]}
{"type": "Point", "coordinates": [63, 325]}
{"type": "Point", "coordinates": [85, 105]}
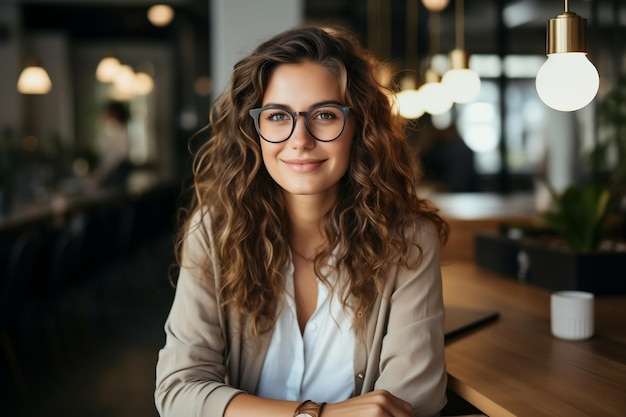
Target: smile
{"type": "Point", "coordinates": [303, 165]}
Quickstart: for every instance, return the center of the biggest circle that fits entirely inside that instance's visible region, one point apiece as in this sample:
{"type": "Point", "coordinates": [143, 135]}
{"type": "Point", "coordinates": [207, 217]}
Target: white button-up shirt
{"type": "Point", "coordinates": [316, 365]}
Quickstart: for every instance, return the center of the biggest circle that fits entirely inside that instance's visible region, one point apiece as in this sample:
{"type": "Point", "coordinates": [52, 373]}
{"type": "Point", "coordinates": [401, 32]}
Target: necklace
{"type": "Point", "coordinates": [302, 256]}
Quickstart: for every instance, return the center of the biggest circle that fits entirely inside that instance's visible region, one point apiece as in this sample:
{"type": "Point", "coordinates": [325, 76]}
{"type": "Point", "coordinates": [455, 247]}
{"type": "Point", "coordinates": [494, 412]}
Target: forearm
{"type": "Point", "coordinates": [245, 405]}
{"type": "Point", "coordinates": [374, 404]}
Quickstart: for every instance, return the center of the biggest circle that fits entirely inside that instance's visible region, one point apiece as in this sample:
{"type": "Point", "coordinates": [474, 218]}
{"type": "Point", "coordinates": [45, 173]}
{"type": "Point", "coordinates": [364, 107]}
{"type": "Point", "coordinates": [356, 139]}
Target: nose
{"type": "Point", "coordinates": [301, 136]}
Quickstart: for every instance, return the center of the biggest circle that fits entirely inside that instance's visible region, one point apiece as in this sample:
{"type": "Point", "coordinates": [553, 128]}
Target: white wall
{"type": "Point", "coordinates": [237, 26]}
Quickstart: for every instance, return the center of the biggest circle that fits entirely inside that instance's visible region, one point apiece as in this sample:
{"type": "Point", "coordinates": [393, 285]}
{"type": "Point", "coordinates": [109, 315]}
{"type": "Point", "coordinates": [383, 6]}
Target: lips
{"type": "Point", "coordinates": [303, 165]}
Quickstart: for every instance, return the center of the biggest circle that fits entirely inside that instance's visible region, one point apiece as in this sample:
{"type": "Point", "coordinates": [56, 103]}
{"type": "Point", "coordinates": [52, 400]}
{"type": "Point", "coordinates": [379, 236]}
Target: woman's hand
{"type": "Point", "coordinates": [373, 404]}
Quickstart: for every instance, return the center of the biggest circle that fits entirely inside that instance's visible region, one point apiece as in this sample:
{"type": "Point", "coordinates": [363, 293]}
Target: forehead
{"type": "Point", "coordinates": [302, 85]}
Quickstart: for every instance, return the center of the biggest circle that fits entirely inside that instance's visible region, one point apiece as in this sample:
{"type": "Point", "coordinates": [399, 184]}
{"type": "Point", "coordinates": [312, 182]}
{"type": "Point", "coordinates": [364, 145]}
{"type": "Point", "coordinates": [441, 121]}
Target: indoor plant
{"type": "Point", "coordinates": [580, 243]}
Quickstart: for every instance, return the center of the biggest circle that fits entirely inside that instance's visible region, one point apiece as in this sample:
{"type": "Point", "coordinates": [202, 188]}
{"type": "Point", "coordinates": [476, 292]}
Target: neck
{"type": "Point", "coordinates": [307, 211]}
{"type": "Point", "coordinates": [301, 256]}
{"type": "Point", "coordinates": [306, 214]}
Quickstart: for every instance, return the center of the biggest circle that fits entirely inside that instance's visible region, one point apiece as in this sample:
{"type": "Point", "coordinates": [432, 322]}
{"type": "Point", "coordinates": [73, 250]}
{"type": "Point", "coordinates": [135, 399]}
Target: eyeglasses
{"type": "Point", "coordinates": [324, 123]}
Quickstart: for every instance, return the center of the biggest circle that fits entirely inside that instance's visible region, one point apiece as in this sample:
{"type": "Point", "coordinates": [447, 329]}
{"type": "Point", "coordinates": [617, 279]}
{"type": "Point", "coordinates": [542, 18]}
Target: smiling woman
{"type": "Point", "coordinates": [310, 158]}
{"type": "Point", "coordinates": [304, 247]}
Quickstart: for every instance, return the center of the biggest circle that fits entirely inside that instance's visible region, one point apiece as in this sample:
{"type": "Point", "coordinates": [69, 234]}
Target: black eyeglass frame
{"type": "Point", "coordinates": [254, 113]}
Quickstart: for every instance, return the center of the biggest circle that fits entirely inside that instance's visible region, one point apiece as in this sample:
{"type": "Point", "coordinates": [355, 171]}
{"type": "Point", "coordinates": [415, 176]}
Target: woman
{"type": "Point", "coordinates": [309, 278]}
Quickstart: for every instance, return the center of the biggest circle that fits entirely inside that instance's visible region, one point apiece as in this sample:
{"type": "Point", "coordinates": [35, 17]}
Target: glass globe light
{"type": "Point", "coordinates": [408, 102]}
{"type": "Point", "coordinates": [410, 105]}
{"type": "Point", "coordinates": [434, 95]}
{"type": "Point", "coordinates": [144, 83]}
{"type": "Point", "coordinates": [435, 5]}
{"type": "Point", "coordinates": [160, 15]}
{"type": "Point", "coordinates": [105, 72]}
{"type": "Point", "coordinates": [567, 81]}
{"type": "Point", "coordinates": [462, 83]}
{"type": "Point", "coordinates": [34, 80]}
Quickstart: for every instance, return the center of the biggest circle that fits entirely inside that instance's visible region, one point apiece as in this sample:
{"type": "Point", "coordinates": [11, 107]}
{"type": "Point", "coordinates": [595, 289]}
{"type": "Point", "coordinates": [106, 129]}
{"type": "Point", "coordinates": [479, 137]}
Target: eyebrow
{"type": "Point", "coordinates": [319, 103]}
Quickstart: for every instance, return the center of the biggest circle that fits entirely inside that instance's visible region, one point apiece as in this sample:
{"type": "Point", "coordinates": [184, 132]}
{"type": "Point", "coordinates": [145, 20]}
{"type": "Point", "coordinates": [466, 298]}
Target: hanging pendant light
{"type": "Point", "coordinates": [160, 15]}
{"type": "Point", "coordinates": [408, 100]}
{"type": "Point", "coordinates": [107, 67]}
{"type": "Point", "coordinates": [462, 83]}
{"type": "Point", "coordinates": [34, 80]}
{"type": "Point", "coordinates": [434, 95]}
{"type": "Point", "coordinates": [567, 81]}
{"type": "Point", "coordinates": [435, 5]}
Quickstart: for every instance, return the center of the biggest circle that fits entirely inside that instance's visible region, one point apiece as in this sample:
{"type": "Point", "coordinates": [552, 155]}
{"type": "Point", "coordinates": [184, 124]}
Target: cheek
{"type": "Point", "coordinates": [343, 157]}
{"type": "Point", "coordinates": [346, 149]}
{"type": "Point", "coordinates": [266, 153]}
{"type": "Point", "coordinates": [269, 155]}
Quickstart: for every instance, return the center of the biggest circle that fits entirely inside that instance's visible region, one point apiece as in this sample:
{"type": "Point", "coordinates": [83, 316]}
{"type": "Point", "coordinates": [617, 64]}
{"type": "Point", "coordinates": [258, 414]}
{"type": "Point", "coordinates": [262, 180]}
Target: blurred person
{"type": "Point", "coordinates": [309, 281]}
{"type": "Point", "coordinates": [113, 148]}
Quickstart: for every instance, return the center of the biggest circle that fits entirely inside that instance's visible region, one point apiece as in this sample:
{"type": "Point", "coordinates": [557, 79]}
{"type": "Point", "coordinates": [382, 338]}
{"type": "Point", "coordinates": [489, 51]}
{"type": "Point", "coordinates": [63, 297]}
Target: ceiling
{"type": "Point", "coordinates": [520, 31]}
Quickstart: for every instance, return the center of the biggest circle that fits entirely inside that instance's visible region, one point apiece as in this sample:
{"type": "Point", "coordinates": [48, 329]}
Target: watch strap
{"type": "Point", "coordinates": [309, 408]}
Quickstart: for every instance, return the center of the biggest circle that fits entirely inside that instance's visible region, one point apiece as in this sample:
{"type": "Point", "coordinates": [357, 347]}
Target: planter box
{"type": "Point", "coordinates": [599, 272]}
{"type": "Point", "coordinates": [497, 253]}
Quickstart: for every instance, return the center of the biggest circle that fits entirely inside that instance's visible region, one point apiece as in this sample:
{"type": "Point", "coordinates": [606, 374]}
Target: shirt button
{"type": "Point", "coordinates": [360, 375]}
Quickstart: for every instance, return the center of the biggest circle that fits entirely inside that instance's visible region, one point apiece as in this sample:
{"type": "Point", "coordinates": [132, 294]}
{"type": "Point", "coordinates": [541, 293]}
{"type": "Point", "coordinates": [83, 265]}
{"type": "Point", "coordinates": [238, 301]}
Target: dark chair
{"type": "Point", "coordinates": [22, 284]}
{"type": "Point", "coordinates": [66, 334]}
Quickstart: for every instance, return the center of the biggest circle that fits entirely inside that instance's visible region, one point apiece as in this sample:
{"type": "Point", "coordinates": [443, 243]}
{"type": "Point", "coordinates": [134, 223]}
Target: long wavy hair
{"type": "Point", "coordinates": [376, 205]}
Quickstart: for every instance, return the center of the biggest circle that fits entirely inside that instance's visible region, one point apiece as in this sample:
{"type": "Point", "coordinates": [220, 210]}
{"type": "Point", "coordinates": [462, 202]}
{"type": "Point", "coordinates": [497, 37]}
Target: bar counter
{"type": "Point", "coordinates": [60, 204]}
{"type": "Point", "coordinates": [515, 367]}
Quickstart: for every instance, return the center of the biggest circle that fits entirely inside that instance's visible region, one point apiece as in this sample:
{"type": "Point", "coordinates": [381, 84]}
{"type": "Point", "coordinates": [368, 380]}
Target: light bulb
{"type": "Point", "coordinates": [160, 15]}
{"type": "Point", "coordinates": [409, 104]}
{"type": "Point", "coordinates": [462, 84]}
{"type": "Point", "coordinates": [124, 83]}
{"type": "Point", "coordinates": [434, 95]}
{"type": "Point", "coordinates": [105, 72]}
{"type": "Point", "coordinates": [144, 83]}
{"type": "Point", "coordinates": [567, 81]}
{"type": "Point", "coordinates": [435, 5]}
{"type": "Point", "coordinates": [34, 80]}
{"type": "Point", "coordinates": [435, 98]}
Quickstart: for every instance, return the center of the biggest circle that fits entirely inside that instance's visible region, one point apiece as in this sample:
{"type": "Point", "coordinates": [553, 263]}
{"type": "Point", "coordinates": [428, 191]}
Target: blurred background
{"type": "Point", "coordinates": [94, 155]}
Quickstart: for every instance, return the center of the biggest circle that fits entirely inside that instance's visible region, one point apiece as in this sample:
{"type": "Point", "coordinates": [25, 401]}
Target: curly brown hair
{"type": "Point", "coordinates": [376, 204]}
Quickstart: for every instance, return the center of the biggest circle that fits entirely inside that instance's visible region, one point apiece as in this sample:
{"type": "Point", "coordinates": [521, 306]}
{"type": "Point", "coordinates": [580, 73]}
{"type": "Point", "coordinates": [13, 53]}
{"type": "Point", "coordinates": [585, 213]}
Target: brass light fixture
{"type": "Point", "coordinates": [567, 81]}
{"type": "Point", "coordinates": [462, 83]}
{"type": "Point", "coordinates": [409, 103]}
{"type": "Point", "coordinates": [433, 94]}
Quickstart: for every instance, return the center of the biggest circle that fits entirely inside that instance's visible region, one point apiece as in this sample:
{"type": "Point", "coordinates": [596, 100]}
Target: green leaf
{"type": "Point", "coordinates": [579, 215]}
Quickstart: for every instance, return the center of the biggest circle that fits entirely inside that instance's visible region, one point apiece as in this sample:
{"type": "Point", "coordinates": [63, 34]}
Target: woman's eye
{"type": "Point", "coordinates": [278, 116]}
{"type": "Point", "coordinates": [325, 114]}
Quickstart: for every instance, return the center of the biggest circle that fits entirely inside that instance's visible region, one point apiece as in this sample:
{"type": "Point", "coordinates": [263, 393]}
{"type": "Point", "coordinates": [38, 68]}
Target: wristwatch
{"type": "Point", "coordinates": [309, 408]}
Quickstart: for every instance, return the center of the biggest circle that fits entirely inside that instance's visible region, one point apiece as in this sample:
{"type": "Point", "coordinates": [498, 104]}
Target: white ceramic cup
{"type": "Point", "coordinates": [572, 314]}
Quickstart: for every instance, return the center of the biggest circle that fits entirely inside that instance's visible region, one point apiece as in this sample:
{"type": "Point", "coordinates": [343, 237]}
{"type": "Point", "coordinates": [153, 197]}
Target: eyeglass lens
{"type": "Point", "coordinates": [324, 123]}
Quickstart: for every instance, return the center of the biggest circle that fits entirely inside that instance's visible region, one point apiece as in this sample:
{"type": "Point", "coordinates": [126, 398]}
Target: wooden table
{"type": "Point", "coordinates": [515, 367]}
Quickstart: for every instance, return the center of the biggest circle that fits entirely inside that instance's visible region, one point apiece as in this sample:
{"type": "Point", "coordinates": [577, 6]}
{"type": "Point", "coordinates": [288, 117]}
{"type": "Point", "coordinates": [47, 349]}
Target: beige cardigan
{"type": "Point", "coordinates": [206, 362]}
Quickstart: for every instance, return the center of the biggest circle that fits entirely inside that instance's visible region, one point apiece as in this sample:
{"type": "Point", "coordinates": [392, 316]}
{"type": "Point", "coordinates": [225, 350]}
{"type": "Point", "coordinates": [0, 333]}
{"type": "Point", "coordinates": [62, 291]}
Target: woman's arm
{"type": "Point", "coordinates": [411, 353]}
{"type": "Point", "coordinates": [412, 362]}
{"type": "Point", "coordinates": [373, 404]}
{"type": "Point", "coordinates": [191, 370]}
